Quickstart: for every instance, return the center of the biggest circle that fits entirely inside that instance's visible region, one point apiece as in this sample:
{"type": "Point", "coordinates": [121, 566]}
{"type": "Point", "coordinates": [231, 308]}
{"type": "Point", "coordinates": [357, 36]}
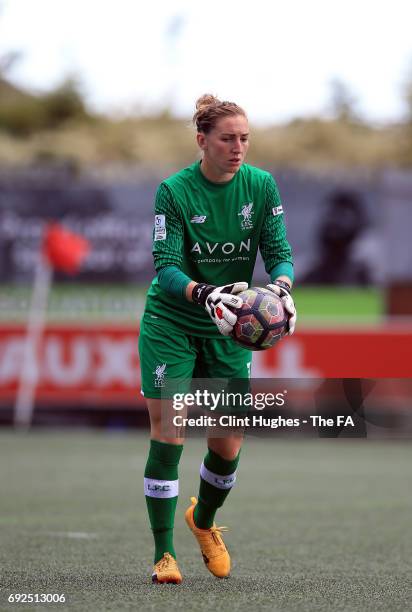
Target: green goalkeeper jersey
{"type": "Point", "coordinates": [212, 232]}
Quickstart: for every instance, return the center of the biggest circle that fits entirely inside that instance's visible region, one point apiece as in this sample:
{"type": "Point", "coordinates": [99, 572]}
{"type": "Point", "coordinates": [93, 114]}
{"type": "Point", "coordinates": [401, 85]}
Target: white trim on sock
{"type": "Point", "coordinates": [153, 487]}
{"type": "Point", "coordinates": [217, 480]}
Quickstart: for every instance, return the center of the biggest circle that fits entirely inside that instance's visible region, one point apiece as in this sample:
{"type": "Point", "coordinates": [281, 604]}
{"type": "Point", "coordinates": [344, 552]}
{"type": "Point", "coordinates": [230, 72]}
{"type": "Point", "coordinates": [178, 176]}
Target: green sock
{"type": "Point", "coordinates": [161, 486]}
{"type": "Point", "coordinates": [217, 477]}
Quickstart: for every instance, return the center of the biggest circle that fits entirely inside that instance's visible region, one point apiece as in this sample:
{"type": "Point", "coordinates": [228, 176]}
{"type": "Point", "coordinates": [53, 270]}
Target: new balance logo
{"type": "Point", "coordinates": [198, 219]}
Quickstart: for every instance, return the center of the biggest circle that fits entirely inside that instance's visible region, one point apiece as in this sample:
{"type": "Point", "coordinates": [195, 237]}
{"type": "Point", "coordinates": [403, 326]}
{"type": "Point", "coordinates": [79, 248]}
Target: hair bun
{"type": "Point", "coordinates": [205, 101]}
{"type": "Point", "coordinates": [210, 109]}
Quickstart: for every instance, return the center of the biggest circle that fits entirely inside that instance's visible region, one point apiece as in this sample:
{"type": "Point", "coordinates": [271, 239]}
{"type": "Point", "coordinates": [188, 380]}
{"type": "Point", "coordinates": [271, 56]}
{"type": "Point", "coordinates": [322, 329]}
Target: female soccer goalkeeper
{"type": "Point", "coordinates": [210, 220]}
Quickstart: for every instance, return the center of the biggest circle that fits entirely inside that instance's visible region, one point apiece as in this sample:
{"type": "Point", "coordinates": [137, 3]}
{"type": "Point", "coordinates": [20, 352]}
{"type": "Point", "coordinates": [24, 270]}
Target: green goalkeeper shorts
{"type": "Point", "coordinates": [167, 354]}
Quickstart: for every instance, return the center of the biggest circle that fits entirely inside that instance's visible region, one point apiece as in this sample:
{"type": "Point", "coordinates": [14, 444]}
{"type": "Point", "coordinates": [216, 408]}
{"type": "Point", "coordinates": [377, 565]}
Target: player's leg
{"type": "Point", "coordinates": [220, 359]}
{"type": "Point", "coordinates": [226, 360]}
{"type": "Point", "coordinates": [217, 477]}
{"type": "Point", "coordinates": [161, 481]}
{"type": "Point", "coordinates": [164, 355]}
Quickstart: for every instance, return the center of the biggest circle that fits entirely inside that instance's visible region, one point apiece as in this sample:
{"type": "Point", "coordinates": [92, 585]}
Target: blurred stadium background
{"type": "Point", "coordinates": [346, 183]}
{"type": "Point", "coordinates": [349, 228]}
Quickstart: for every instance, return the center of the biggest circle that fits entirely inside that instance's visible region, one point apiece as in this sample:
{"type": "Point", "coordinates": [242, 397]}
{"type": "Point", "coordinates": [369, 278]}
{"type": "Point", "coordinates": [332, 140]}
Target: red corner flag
{"type": "Point", "coordinates": [64, 250]}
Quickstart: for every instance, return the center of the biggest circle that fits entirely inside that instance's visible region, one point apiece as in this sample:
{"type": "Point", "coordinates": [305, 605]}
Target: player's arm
{"type": "Point", "coordinates": [168, 242]}
{"type": "Point", "coordinates": [168, 231]}
{"type": "Point", "coordinates": [276, 251]}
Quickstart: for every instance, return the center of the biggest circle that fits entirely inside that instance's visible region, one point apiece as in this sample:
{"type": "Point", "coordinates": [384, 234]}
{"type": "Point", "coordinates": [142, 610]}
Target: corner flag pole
{"type": "Point", "coordinates": [61, 250]}
{"type": "Point", "coordinates": [29, 373]}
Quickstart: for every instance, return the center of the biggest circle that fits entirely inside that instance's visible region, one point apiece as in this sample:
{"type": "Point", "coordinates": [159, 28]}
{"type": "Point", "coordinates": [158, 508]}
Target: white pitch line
{"type": "Point", "coordinates": [74, 535]}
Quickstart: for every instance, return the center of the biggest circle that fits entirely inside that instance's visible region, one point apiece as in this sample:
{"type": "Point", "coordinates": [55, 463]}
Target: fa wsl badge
{"type": "Point", "coordinates": [246, 213]}
{"type": "Point", "coordinates": [160, 227]}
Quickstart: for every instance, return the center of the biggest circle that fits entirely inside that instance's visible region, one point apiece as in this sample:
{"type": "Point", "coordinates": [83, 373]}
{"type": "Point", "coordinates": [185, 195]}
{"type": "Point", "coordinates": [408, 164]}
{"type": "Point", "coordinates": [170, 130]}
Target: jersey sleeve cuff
{"type": "Point", "coordinates": [173, 281]}
{"type": "Point", "coordinates": [284, 268]}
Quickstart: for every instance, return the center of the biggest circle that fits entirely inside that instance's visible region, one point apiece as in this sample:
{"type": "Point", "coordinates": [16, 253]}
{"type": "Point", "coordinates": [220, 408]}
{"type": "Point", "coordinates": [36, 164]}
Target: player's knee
{"type": "Point", "coordinates": [227, 448]}
{"type": "Point", "coordinates": [229, 455]}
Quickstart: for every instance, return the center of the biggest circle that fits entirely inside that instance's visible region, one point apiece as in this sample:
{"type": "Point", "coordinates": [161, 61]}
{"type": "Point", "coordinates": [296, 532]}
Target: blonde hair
{"type": "Point", "coordinates": [210, 109]}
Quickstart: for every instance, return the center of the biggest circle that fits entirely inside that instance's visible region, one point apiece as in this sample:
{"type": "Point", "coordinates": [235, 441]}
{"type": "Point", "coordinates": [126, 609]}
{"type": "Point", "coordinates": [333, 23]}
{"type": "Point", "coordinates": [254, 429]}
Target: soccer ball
{"type": "Point", "coordinates": [261, 321]}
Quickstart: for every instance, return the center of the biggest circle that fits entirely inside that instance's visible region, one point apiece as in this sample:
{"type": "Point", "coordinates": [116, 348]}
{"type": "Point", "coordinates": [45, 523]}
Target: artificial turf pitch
{"type": "Point", "coordinates": [314, 525]}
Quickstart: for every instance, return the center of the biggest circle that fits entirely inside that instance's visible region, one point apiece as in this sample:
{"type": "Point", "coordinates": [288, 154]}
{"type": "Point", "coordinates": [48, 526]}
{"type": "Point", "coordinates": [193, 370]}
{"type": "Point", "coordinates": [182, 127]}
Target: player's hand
{"type": "Point", "coordinates": [282, 289]}
{"type": "Point", "coordinates": [216, 299]}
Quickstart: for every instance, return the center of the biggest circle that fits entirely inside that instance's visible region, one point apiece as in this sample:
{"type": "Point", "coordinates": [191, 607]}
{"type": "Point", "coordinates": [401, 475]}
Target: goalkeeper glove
{"type": "Point", "coordinates": [282, 289]}
{"type": "Point", "coordinates": [214, 300]}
